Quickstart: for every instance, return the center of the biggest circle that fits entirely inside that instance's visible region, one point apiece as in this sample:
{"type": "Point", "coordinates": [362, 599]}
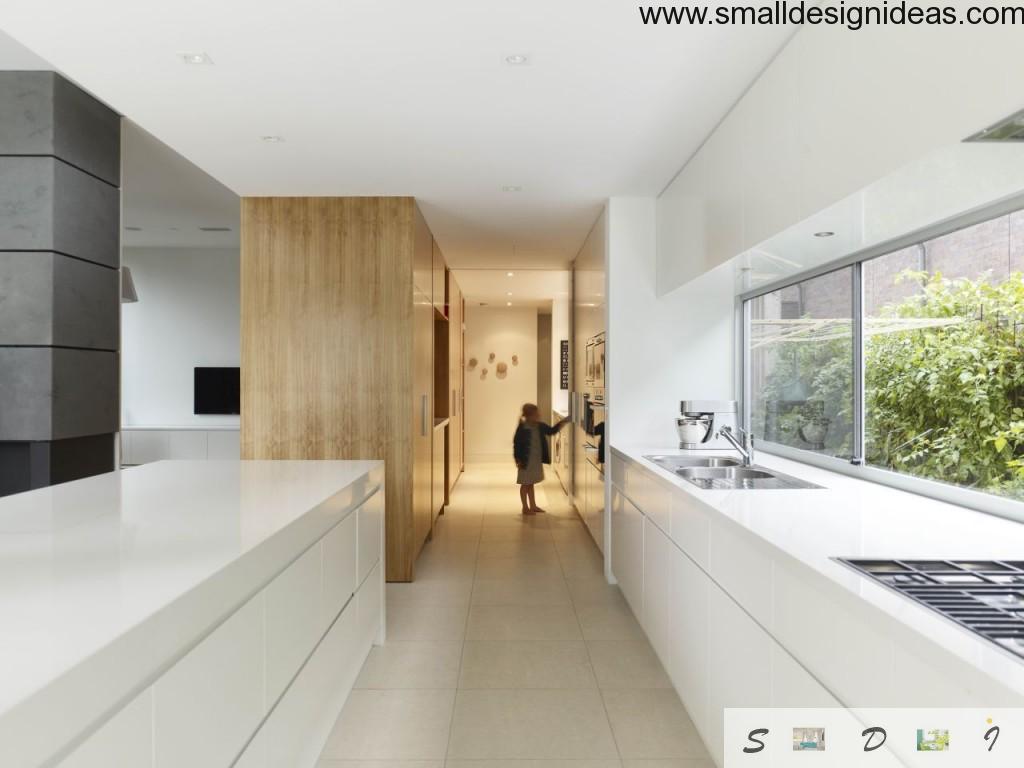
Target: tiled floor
{"type": "Point", "coordinates": [511, 651]}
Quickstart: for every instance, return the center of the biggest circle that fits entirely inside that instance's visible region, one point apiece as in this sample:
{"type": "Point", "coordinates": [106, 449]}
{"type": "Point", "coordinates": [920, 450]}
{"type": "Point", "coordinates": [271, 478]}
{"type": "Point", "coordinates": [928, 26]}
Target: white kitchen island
{"type": "Point", "coordinates": [187, 613]}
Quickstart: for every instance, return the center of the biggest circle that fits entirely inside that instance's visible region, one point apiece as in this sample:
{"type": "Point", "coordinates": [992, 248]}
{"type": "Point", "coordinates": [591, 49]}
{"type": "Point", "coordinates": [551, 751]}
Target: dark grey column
{"type": "Point", "coordinates": [60, 173]}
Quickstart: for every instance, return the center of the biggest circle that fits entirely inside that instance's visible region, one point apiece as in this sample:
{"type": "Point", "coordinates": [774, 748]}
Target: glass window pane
{"type": "Point", "coordinates": [944, 370]}
{"type": "Point", "coordinates": [801, 364]}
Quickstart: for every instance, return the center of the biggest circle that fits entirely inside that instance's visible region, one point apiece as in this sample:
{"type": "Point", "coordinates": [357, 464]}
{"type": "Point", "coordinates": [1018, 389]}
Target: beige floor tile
{"type": "Point", "coordinates": [652, 724]}
{"type": "Point", "coordinates": [595, 591]}
{"type": "Point", "coordinates": [522, 623]}
{"type": "Point", "coordinates": [609, 622]}
{"type": "Point", "coordinates": [412, 665]}
{"type": "Point", "coordinates": [582, 565]}
{"type": "Point", "coordinates": [627, 665]}
{"type": "Point", "coordinates": [441, 566]}
{"type": "Point", "coordinates": [681, 763]}
{"type": "Point", "coordinates": [392, 725]}
{"type": "Point", "coordinates": [527, 549]}
{"type": "Point", "coordinates": [430, 591]}
{"type": "Point", "coordinates": [526, 665]}
{"type": "Point", "coordinates": [514, 533]}
{"type": "Point", "coordinates": [442, 621]}
{"type": "Point", "coordinates": [330, 763]}
{"type": "Point", "coordinates": [530, 724]}
{"type": "Point", "coordinates": [521, 592]}
{"type": "Point", "coordinates": [518, 568]}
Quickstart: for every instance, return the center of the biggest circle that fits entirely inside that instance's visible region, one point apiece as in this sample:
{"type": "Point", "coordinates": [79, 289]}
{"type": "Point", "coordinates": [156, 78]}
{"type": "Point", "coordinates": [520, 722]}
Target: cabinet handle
{"type": "Point", "coordinates": [423, 415]}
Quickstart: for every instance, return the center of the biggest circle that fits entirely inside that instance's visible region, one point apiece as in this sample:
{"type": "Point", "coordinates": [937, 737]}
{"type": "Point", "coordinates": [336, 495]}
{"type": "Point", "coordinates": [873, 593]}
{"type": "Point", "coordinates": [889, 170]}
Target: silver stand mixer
{"type": "Point", "coordinates": [700, 422]}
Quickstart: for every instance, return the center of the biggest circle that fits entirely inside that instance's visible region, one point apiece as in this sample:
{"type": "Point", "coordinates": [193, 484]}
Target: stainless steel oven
{"type": "Point", "coordinates": [593, 412]}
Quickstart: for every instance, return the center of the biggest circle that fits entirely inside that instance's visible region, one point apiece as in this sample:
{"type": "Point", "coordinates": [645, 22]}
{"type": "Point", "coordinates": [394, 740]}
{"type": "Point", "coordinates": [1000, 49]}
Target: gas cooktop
{"type": "Point", "coordinates": [984, 596]}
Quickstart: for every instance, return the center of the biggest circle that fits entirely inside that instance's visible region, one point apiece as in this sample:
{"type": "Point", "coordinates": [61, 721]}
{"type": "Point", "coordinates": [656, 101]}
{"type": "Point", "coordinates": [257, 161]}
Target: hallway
{"type": "Point", "coordinates": [510, 646]}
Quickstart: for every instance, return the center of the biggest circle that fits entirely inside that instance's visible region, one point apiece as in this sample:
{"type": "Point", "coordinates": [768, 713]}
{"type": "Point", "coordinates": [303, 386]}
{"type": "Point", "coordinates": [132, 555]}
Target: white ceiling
{"type": "Point", "coordinates": [169, 198]}
{"type": "Point", "coordinates": [529, 287]}
{"type": "Point", "coordinates": [394, 97]}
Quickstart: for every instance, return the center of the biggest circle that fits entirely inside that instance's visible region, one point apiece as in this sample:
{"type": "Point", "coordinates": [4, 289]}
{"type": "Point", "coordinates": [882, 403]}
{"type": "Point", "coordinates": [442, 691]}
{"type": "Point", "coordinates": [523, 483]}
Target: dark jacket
{"type": "Point", "coordinates": [521, 442]}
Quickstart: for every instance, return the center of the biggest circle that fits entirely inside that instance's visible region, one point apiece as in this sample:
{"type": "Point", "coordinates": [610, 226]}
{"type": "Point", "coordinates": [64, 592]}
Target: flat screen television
{"type": "Point", "coordinates": [216, 391]}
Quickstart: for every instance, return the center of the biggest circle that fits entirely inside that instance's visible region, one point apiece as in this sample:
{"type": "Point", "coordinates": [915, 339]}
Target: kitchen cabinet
{"type": "Point", "coordinates": [423, 382]}
{"type": "Point", "coordinates": [628, 550]}
{"type": "Point", "coordinates": [592, 510]}
{"type": "Point", "coordinates": [438, 490]}
{"type": "Point", "coordinates": [716, 653]}
{"type": "Point", "coordinates": [439, 283]}
{"type": "Point", "coordinates": [657, 570]}
{"type": "Point", "coordinates": [456, 313]}
{"type": "Point", "coordinates": [347, 285]}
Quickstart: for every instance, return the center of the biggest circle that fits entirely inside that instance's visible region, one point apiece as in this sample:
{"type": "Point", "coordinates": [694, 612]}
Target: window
{"type": "Point", "coordinates": [801, 364]}
{"type": "Point", "coordinates": [935, 331]}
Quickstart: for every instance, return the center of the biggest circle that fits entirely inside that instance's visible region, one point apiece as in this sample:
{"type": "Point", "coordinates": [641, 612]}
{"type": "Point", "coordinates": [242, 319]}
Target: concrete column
{"type": "Point", "coordinates": [60, 173]}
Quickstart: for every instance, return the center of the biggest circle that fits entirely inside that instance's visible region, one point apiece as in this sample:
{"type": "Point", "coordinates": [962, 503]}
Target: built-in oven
{"type": "Point", "coordinates": [593, 413]}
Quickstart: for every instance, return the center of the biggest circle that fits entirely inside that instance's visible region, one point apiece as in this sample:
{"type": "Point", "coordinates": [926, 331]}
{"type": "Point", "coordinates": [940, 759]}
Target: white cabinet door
{"type": "Point", "coordinates": [147, 445]}
{"type": "Point", "coordinates": [186, 444]}
{"type": "Point", "coordinates": [628, 550]}
{"type": "Point", "coordinates": [294, 619]}
{"type": "Point", "coordinates": [740, 661]}
{"type": "Point", "coordinates": [371, 532]}
{"type": "Point", "coordinates": [688, 632]}
{"type": "Point", "coordinates": [793, 686]}
{"type": "Point", "coordinates": [124, 741]}
{"type": "Point", "coordinates": [657, 570]}
{"type": "Point", "coordinates": [223, 444]}
{"type": "Point", "coordinates": [208, 705]}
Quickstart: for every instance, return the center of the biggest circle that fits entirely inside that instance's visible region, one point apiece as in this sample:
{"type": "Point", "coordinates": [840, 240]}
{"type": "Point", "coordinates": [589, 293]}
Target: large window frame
{"type": "Point", "coordinates": [856, 466]}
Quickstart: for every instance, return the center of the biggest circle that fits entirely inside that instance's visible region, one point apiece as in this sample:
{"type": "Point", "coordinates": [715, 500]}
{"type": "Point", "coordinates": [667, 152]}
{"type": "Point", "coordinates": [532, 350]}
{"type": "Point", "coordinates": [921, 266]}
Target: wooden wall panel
{"type": "Point", "coordinates": [327, 346]}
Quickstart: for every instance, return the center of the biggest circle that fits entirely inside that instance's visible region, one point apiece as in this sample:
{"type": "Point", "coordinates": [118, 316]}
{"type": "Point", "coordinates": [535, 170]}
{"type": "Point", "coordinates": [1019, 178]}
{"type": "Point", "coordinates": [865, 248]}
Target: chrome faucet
{"type": "Point", "coordinates": [744, 444]}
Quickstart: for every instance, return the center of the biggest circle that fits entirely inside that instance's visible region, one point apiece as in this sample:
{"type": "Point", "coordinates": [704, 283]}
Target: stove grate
{"type": "Point", "coordinates": [983, 596]}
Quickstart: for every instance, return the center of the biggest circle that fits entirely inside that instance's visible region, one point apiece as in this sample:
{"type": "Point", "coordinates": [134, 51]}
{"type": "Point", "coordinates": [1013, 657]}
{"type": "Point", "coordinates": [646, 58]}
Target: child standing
{"type": "Point", "coordinates": [531, 451]}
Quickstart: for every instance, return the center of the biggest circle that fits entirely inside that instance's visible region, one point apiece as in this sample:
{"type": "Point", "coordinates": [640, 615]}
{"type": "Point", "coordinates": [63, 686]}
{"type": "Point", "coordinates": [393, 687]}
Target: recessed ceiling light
{"type": "Point", "coordinates": [509, 293]}
{"type": "Point", "coordinates": [196, 57]}
{"type": "Point", "coordinates": [508, 303]}
{"type": "Point", "coordinates": [517, 59]}
{"type": "Point", "coordinates": [824, 233]}
{"type": "Point", "coordinates": [510, 274]}
{"type": "Point", "coordinates": [511, 188]}
{"type": "Point", "coordinates": [272, 139]}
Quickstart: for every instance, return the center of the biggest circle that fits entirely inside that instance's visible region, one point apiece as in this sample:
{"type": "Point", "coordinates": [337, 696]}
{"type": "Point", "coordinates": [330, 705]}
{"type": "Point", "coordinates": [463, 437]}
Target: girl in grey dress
{"type": "Point", "coordinates": [531, 451]}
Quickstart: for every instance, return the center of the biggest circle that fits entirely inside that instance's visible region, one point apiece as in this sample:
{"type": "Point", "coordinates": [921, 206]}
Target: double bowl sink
{"type": "Point", "coordinates": [724, 473]}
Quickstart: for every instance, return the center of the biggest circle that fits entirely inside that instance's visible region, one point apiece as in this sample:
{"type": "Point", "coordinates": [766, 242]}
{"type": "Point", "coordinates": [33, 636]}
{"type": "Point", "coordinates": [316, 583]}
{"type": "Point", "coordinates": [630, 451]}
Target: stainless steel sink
{"type": "Point", "coordinates": [674, 463]}
{"type": "Point", "coordinates": [740, 478]}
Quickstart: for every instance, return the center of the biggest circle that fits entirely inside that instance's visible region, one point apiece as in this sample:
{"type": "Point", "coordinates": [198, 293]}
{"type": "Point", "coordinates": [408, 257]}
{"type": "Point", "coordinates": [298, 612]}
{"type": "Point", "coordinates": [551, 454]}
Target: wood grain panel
{"type": "Point", "coordinates": [327, 343]}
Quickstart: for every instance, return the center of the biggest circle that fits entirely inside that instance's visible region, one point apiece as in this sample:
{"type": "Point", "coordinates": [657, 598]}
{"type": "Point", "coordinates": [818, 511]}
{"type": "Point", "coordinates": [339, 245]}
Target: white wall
{"type": "Point", "coordinates": [492, 404]}
{"type": "Point", "coordinates": [560, 310]}
{"type": "Point", "coordinates": [661, 349]}
{"type": "Point", "coordinates": [833, 113]}
{"type": "Point", "coordinates": [187, 316]}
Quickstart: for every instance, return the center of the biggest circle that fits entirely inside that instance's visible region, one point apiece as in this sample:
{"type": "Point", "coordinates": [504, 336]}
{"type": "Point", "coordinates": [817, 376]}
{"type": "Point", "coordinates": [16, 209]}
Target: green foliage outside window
{"type": "Point", "coordinates": [945, 399]}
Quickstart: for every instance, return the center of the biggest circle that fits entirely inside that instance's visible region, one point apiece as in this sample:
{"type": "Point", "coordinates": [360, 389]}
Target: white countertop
{"type": "Point", "coordinates": [111, 578]}
{"type": "Point", "coordinates": [854, 518]}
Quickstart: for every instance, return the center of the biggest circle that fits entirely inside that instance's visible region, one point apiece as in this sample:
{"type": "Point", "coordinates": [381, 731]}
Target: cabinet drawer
{"type": "Point", "coordinates": [370, 607]}
{"type": "Point", "coordinates": [294, 619]}
{"type": "Point", "coordinates": [297, 730]}
{"type": "Point", "coordinates": [223, 444]}
{"type": "Point", "coordinates": [208, 704]}
{"type": "Point", "coordinates": [657, 586]}
{"type": "Point", "coordinates": [340, 574]}
{"type": "Point", "coordinates": [124, 741]}
{"type": "Point", "coordinates": [371, 532]}
{"type": "Point", "coordinates": [628, 550]}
